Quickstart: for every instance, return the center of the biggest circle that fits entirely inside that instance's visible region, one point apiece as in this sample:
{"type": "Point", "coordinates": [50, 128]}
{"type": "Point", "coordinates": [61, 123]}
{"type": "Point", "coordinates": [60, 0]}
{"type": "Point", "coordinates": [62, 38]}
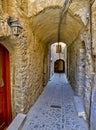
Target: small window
{"type": "Point", "coordinates": [58, 48]}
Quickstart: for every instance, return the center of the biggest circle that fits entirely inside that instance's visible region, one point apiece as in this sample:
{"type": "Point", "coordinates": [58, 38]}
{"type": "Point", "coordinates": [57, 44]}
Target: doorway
{"type": "Point", "coordinates": [59, 66]}
{"type": "Point", "coordinates": [5, 92]}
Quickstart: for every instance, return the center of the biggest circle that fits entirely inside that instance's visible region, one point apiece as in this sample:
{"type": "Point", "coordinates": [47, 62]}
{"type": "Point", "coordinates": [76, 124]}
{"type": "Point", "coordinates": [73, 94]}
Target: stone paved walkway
{"type": "Point", "coordinates": [55, 110]}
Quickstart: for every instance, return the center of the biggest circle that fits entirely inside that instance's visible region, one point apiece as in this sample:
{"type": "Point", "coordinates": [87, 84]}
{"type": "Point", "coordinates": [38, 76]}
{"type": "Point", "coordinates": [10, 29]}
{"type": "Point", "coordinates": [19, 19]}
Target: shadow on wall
{"type": "Point", "coordinates": [59, 66]}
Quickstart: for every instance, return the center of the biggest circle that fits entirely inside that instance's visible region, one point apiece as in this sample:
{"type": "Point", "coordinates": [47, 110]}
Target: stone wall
{"type": "Point", "coordinates": [72, 64]}
{"type": "Point", "coordinates": [28, 63]}
{"type": "Point", "coordinates": [83, 70]}
{"type": "Point", "coordinates": [30, 73]}
{"type": "Point", "coordinates": [80, 69]}
{"type": "Point", "coordinates": [29, 51]}
{"type": "Point", "coordinates": [76, 66]}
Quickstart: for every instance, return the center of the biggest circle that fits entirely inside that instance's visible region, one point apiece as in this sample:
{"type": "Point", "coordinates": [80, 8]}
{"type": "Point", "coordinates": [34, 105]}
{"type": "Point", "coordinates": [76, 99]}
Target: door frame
{"type": "Point", "coordinates": [7, 85]}
{"type": "Point", "coordinates": [55, 64]}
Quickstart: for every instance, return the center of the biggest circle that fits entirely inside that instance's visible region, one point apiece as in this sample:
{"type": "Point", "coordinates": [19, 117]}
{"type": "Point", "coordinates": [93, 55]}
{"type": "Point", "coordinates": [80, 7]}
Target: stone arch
{"type": "Point", "coordinates": [42, 12]}
{"type": "Point", "coordinates": [49, 15]}
{"type": "Point", "coordinates": [59, 66]}
{"type": "Point", "coordinates": [55, 55]}
{"type": "Point", "coordinates": [41, 15]}
{"type": "Point", "coordinates": [39, 5]}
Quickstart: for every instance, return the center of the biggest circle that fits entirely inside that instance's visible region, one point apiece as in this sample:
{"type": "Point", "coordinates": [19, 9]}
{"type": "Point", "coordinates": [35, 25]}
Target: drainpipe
{"type": "Point", "coordinates": [63, 11]}
{"type": "Point", "coordinates": [91, 39]}
{"type": "Point", "coordinates": [49, 69]}
{"type": "Point", "coordinates": [90, 7]}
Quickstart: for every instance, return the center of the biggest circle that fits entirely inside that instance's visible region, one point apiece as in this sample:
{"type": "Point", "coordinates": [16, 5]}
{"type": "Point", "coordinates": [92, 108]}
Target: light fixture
{"type": "Point", "coordinates": [14, 25]}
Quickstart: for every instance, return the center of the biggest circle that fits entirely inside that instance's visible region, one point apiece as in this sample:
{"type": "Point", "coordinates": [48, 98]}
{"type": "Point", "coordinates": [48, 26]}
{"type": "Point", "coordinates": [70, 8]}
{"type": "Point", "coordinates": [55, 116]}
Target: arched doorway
{"type": "Point", "coordinates": [59, 66]}
{"type": "Point", "coordinates": [5, 92]}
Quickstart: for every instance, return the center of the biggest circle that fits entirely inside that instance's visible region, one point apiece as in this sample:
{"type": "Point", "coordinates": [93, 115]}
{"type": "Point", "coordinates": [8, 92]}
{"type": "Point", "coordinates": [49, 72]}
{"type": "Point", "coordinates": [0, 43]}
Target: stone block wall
{"type": "Point", "coordinates": [72, 64]}
{"type": "Point", "coordinates": [30, 75]}
{"type": "Point", "coordinates": [76, 66]}
{"type": "Point", "coordinates": [28, 67]}
{"type": "Point", "coordinates": [29, 56]}
{"type": "Point", "coordinates": [82, 70]}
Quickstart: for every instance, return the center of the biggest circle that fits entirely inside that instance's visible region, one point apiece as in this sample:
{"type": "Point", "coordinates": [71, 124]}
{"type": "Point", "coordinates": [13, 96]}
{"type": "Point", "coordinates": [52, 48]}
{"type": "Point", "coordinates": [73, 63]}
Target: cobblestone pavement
{"type": "Point", "coordinates": [55, 110]}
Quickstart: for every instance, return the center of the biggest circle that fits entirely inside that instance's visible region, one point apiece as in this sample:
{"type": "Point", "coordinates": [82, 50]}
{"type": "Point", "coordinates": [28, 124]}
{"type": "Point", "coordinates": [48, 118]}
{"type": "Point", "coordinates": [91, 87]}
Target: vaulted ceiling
{"type": "Point", "coordinates": [45, 26]}
{"type": "Point", "coordinates": [45, 18]}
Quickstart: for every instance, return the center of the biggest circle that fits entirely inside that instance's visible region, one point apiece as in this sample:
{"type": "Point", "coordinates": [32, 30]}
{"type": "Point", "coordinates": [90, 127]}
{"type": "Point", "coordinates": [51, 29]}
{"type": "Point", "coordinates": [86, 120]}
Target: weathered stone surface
{"type": "Point", "coordinates": [29, 52]}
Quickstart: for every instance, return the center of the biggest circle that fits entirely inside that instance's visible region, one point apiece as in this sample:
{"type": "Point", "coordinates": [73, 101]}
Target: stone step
{"type": "Point", "coordinates": [80, 107]}
{"type": "Point", "coordinates": [18, 122]}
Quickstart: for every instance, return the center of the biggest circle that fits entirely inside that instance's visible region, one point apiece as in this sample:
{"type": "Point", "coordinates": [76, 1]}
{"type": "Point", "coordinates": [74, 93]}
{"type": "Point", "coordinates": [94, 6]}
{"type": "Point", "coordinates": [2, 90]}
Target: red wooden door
{"type": "Point", "coordinates": [5, 96]}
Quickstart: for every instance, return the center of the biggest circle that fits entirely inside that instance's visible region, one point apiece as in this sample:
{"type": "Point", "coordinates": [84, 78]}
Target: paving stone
{"type": "Point", "coordinates": [62, 116]}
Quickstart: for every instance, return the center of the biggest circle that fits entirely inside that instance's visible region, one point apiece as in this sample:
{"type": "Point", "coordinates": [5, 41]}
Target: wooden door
{"type": "Point", "coordinates": [59, 66]}
{"type": "Point", "coordinates": [5, 96]}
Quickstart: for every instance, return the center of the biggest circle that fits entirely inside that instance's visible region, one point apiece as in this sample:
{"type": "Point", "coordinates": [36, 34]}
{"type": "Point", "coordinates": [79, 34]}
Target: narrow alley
{"type": "Point", "coordinates": [42, 44]}
{"type": "Point", "coordinates": [55, 109]}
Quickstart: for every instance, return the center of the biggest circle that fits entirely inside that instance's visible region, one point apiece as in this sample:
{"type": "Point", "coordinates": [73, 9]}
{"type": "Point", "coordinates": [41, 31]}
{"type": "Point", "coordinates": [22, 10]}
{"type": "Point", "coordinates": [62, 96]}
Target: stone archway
{"type": "Point", "coordinates": [43, 17]}
{"type": "Point", "coordinates": [59, 66]}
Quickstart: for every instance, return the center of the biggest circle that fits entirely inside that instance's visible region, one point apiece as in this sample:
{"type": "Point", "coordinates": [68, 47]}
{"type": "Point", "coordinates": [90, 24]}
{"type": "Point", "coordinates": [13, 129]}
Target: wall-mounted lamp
{"type": "Point", "coordinates": [14, 25]}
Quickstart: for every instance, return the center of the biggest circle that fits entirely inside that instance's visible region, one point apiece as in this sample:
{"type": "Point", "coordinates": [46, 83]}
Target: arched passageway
{"type": "Point", "coordinates": [59, 66]}
{"type": "Point", "coordinates": [30, 71]}
{"type": "Point", "coordinates": [58, 58]}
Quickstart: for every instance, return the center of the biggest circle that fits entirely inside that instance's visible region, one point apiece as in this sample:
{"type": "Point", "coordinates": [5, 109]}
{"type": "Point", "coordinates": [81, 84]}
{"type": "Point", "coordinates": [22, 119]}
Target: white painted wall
{"type": "Point", "coordinates": [55, 56]}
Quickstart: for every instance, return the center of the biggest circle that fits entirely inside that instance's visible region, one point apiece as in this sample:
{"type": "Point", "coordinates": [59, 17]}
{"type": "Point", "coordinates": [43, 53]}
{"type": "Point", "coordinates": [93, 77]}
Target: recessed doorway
{"type": "Point", "coordinates": [5, 92]}
{"type": "Point", "coordinates": [59, 66]}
